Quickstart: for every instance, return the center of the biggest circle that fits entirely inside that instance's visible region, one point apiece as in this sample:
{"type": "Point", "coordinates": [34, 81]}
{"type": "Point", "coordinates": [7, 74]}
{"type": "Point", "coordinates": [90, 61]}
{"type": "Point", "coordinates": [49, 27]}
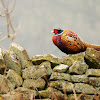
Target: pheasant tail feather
{"type": "Point", "coordinates": [97, 47]}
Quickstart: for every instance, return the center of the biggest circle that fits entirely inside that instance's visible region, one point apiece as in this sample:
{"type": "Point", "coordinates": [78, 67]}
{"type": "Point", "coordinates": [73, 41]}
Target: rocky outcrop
{"type": "Point", "coordinates": [46, 77]}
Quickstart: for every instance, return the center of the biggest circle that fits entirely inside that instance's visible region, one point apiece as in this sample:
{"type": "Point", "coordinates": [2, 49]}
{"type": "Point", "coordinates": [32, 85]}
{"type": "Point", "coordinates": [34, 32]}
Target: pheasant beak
{"type": "Point", "coordinates": [52, 31]}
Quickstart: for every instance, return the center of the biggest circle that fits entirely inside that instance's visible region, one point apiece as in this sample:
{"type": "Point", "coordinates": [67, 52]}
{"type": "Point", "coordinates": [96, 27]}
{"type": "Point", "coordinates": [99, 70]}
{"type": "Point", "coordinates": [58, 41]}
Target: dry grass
{"type": "Point", "coordinates": [9, 28]}
{"type": "Point", "coordinates": [11, 31]}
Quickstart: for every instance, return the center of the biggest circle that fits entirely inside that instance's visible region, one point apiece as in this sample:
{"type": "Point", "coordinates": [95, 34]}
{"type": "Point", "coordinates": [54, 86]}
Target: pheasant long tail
{"type": "Point", "coordinates": [97, 47]}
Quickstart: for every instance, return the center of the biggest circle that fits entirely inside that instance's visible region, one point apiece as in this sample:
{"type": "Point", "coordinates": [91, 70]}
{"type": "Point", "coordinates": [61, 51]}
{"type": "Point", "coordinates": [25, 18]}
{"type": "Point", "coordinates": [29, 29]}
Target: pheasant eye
{"type": "Point", "coordinates": [55, 31]}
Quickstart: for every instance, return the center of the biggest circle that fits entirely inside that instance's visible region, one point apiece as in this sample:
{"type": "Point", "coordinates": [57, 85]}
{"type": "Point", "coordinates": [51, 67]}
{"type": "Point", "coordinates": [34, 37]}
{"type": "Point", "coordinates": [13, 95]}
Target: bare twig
{"type": "Point", "coordinates": [53, 96]}
{"type": "Point", "coordinates": [9, 25]}
{"type": "Point", "coordinates": [80, 95]}
{"type": "Point", "coordinates": [65, 93]}
{"type": "Point", "coordinates": [3, 6]}
{"type": "Point", "coordinates": [0, 14]}
{"type": "Point", "coordinates": [13, 6]}
{"type": "Point", "coordinates": [7, 4]}
{"type": "Point", "coordinates": [74, 93]}
{"type": "Point", "coordinates": [3, 38]}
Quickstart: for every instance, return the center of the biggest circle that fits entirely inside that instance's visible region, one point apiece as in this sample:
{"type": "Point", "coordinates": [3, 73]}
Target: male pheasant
{"type": "Point", "coordinates": [69, 42]}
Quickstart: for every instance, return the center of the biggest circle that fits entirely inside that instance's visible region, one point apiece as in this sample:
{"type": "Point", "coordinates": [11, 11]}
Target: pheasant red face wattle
{"type": "Point", "coordinates": [55, 31]}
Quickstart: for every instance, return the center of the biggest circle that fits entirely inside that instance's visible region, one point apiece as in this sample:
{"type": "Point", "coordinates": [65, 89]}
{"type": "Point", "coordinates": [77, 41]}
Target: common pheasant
{"type": "Point", "coordinates": [69, 42]}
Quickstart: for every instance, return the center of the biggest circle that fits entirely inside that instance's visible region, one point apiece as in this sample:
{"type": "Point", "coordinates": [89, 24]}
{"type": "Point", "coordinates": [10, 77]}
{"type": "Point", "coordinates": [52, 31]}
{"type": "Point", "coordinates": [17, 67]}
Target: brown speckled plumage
{"type": "Point", "coordinates": [69, 42]}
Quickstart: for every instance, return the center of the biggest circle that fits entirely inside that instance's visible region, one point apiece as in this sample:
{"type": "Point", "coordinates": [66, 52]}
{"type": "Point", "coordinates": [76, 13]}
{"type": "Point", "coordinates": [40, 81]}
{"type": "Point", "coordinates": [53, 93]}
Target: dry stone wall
{"type": "Point", "coordinates": [46, 77]}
